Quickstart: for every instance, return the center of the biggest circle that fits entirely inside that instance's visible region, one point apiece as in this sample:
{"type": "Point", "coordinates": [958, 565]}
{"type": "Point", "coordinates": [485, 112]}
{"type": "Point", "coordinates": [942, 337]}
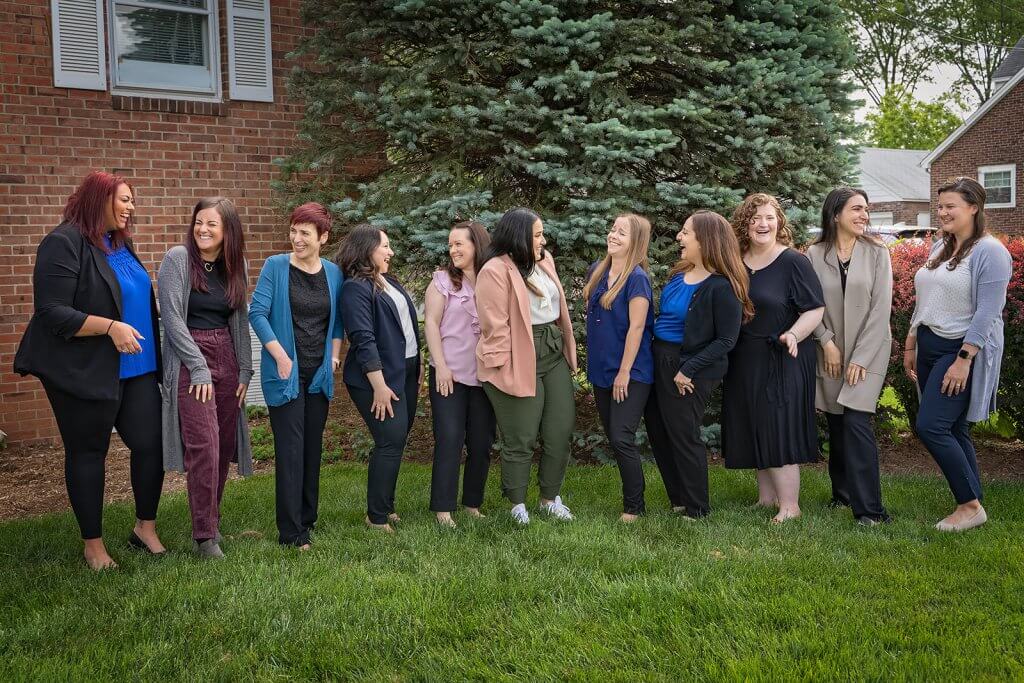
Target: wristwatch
{"type": "Point", "coordinates": [963, 353]}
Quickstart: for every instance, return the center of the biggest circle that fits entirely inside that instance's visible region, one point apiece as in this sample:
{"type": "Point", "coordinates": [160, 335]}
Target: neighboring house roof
{"type": "Point", "coordinates": [973, 118]}
{"type": "Point", "coordinates": [893, 175]}
{"type": "Point", "coordinates": [1013, 62]}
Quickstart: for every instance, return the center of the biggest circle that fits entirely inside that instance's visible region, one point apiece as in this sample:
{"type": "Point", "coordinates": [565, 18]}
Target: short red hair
{"type": "Point", "coordinates": [87, 206]}
{"type": "Point", "coordinates": [312, 212]}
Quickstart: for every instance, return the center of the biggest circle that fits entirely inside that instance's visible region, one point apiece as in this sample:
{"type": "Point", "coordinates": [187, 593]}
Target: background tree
{"type": "Point", "coordinates": [577, 109]}
{"type": "Point", "coordinates": [903, 122]}
{"type": "Point", "coordinates": [976, 36]}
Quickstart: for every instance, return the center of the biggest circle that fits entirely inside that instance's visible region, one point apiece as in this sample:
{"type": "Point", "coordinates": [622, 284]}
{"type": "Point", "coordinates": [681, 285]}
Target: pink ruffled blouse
{"type": "Point", "coordinates": [460, 329]}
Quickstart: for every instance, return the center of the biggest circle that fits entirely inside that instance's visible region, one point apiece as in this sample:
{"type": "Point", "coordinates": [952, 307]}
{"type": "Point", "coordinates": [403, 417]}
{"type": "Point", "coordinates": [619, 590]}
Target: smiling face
{"type": "Point", "coordinates": [381, 256]}
{"type": "Point", "coordinates": [956, 215]}
{"type": "Point", "coordinates": [461, 249]}
{"type": "Point", "coordinates": [538, 239]}
{"type": "Point", "coordinates": [689, 247]}
{"type": "Point", "coordinates": [208, 232]}
{"type": "Point", "coordinates": [305, 242]}
{"type": "Point", "coordinates": [619, 237]}
{"type": "Point", "coordinates": [763, 227]}
{"type": "Point", "coordinates": [121, 208]}
{"type": "Point", "coordinates": [854, 219]}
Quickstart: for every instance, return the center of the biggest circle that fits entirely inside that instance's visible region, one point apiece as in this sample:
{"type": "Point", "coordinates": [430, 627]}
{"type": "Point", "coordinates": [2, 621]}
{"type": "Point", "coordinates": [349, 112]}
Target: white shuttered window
{"type": "Point", "coordinates": [78, 60]}
{"type": "Point", "coordinates": [249, 61]}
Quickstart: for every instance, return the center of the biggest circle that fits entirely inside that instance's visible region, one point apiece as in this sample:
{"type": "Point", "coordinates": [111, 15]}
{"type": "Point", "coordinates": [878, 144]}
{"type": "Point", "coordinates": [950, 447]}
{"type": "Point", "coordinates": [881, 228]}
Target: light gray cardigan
{"type": "Point", "coordinates": [991, 268]}
{"type": "Point", "coordinates": [178, 347]}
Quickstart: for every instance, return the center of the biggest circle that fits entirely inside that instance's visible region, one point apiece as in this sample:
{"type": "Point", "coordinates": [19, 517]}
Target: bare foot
{"type": "Point", "coordinates": [304, 547]}
{"type": "Point", "coordinates": [145, 529]}
{"type": "Point", "coordinates": [786, 514]}
{"type": "Point", "coordinates": [766, 504]}
{"type": "Point", "coordinates": [628, 518]}
{"type": "Point", "coordinates": [445, 519]}
{"type": "Point", "coordinates": [394, 518]}
{"type": "Point", "coordinates": [475, 512]}
{"type": "Point", "coordinates": [678, 509]}
{"type": "Point", "coordinates": [386, 528]}
{"type": "Point", "coordinates": [96, 555]}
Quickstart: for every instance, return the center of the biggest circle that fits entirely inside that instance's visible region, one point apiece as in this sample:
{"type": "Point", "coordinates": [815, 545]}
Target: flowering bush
{"type": "Point", "coordinates": [907, 258]}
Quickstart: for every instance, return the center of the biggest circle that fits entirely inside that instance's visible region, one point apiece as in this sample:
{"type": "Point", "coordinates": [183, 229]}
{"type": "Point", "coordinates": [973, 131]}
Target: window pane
{"type": "Point", "coordinates": [195, 4]}
{"type": "Point", "coordinates": [997, 185]}
{"type": "Point", "coordinates": [161, 36]}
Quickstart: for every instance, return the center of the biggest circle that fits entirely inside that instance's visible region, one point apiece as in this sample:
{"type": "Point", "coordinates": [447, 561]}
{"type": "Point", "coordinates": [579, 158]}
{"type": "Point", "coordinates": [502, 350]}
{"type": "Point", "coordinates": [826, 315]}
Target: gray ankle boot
{"type": "Point", "coordinates": [208, 549]}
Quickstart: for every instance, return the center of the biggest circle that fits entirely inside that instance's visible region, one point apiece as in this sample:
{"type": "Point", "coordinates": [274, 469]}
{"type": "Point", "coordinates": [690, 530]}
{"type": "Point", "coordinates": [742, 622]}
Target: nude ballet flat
{"type": "Point", "coordinates": [979, 518]}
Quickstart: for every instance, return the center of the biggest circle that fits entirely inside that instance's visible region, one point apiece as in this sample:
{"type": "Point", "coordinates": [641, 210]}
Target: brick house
{"type": "Point", "coordinates": [185, 98]}
{"type": "Point", "coordinates": [896, 185]}
{"type": "Point", "coordinates": [989, 146]}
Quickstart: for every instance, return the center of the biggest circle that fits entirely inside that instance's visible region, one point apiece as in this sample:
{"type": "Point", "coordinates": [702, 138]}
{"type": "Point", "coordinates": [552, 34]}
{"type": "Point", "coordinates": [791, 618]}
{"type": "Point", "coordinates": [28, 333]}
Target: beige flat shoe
{"type": "Point", "coordinates": [976, 520]}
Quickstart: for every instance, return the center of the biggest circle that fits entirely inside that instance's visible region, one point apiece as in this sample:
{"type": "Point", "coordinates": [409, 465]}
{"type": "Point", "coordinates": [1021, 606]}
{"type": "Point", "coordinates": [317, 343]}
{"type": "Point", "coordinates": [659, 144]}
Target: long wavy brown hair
{"type": "Point", "coordinates": [745, 212]}
{"type": "Point", "coordinates": [975, 195]}
{"type": "Point", "coordinates": [721, 254]}
{"type": "Point", "coordinates": [636, 255]}
{"type": "Point", "coordinates": [481, 241]}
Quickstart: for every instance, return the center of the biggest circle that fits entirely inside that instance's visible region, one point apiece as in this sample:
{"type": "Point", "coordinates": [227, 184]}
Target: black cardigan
{"type": "Point", "coordinates": [71, 281]}
{"type": "Point", "coordinates": [712, 328]}
{"type": "Point", "coordinates": [376, 340]}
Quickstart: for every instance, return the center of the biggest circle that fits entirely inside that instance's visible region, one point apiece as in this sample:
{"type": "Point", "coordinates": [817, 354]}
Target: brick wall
{"type": "Point", "coordinates": [996, 138]}
{"type": "Point", "coordinates": [902, 212]}
{"type": "Point", "coordinates": [173, 152]}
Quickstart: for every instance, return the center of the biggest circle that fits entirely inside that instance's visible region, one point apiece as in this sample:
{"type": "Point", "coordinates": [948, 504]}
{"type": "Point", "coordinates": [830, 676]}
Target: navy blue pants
{"type": "Point", "coordinates": [942, 420]}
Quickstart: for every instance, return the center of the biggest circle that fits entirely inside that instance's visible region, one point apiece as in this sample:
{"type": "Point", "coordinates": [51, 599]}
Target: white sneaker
{"type": "Point", "coordinates": [556, 509]}
{"type": "Point", "coordinates": [520, 514]}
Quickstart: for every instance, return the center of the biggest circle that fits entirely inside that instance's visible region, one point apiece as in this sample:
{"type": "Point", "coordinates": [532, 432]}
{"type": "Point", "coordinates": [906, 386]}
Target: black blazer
{"type": "Point", "coordinates": [376, 341]}
{"type": "Point", "coordinates": [712, 328]}
{"type": "Point", "coordinates": [71, 281]}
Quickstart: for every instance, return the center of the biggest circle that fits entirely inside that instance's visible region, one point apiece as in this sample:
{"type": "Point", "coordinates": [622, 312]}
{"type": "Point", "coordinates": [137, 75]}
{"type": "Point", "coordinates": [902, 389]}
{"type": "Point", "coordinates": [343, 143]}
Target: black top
{"type": "Point", "coordinates": [71, 281]}
{"type": "Point", "coordinates": [844, 267]}
{"type": "Point", "coordinates": [376, 340]}
{"type": "Point", "coordinates": [209, 310]}
{"type": "Point", "coordinates": [712, 327]}
{"type": "Point", "coordinates": [311, 310]}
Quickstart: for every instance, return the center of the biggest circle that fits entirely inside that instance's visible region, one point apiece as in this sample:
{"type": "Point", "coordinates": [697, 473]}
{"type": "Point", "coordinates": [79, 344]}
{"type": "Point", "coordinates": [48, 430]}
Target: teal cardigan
{"type": "Point", "coordinates": [271, 318]}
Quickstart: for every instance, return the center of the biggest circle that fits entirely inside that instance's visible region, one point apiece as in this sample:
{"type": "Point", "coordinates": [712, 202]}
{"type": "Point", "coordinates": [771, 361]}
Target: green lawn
{"type": "Point", "coordinates": [664, 599]}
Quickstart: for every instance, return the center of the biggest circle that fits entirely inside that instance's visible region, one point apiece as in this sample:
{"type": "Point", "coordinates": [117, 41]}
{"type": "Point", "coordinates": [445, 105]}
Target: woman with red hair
{"type": "Point", "coordinates": [94, 344]}
{"type": "Point", "coordinates": [207, 362]}
{"type": "Point", "coordinates": [296, 315]}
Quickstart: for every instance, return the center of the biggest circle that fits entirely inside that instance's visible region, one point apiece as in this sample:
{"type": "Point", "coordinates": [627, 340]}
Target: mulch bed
{"type": "Point", "coordinates": [32, 477]}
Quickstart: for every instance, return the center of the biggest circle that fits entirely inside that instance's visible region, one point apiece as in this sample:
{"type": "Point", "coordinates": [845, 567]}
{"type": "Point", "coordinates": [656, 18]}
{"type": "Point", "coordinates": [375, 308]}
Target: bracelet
{"type": "Point", "coordinates": [109, 326]}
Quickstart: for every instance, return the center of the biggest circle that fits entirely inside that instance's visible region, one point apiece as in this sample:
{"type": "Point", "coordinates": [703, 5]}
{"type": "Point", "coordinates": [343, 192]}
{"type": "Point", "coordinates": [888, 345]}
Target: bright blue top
{"type": "Point", "coordinates": [606, 332]}
{"type": "Point", "coordinates": [270, 315]}
{"type": "Point", "coordinates": [675, 302]}
{"type": "Point", "coordinates": [136, 309]}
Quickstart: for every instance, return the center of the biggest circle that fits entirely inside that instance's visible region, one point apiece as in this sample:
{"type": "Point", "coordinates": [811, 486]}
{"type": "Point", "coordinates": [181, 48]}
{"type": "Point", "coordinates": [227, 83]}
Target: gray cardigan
{"type": "Point", "coordinates": [178, 347]}
{"type": "Point", "coordinates": [991, 268]}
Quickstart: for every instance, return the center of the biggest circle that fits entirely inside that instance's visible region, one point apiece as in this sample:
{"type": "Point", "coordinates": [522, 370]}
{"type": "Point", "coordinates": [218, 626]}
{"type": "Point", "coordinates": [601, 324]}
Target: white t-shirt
{"type": "Point", "coordinates": [545, 308]}
{"type": "Point", "coordinates": [944, 299]}
{"type": "Point", "coordinates": [405, 315]}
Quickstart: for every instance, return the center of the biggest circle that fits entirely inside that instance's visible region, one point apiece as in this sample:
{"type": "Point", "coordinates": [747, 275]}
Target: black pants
{"type": "Point", "coordinates": [298, 427]}
{"type": "Point", "coordinates": [463, 418]}
{"type": "Point", "coordinates": [389, 437]}
{"type": "Point", "coordinates": [673, 426]}
{"type": "Point", "coordinates": [853, 463]}
{"type": "Point", "coordinates": [620, 421]}
{"type": "Point", "coordinates": [85, 426]}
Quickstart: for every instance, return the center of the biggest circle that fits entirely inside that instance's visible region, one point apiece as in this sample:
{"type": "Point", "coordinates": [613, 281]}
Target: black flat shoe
{"type": "Point", "coordinates": [137, 543]}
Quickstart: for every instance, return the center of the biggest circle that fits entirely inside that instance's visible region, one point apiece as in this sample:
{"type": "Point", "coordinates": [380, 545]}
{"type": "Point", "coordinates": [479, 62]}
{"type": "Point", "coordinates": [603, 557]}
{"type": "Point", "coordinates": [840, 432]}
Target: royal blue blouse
{"type": "Point", "coordinates": [136, 293]}
{"type": "Point", "coordinates": [675, 302]}
{"type": "Point", "coordinates": [606, 332]}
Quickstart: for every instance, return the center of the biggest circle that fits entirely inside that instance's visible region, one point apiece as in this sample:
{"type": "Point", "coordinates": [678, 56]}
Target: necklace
{"type": "Point", "coordinates": [844, 266]}
{"type": "Point", "coordinates": [208, 266]}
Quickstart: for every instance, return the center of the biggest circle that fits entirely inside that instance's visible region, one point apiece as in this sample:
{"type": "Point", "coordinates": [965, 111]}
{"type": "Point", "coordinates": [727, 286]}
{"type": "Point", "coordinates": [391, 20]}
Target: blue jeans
{"type": "Point", "coordinates": [942, 420]}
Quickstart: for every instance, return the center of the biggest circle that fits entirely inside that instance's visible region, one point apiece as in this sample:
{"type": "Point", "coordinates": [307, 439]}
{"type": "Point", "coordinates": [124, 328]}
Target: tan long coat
{"type": "Point", "coordinates": [858, 324]}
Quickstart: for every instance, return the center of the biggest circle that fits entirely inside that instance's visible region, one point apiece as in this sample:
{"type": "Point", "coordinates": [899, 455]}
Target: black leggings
{"type": "Point", "coordinates": [85, 426]}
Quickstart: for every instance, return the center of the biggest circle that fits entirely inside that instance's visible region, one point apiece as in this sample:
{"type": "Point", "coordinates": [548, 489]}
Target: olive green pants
{"type": "Point", "coordinates": [550, 414]}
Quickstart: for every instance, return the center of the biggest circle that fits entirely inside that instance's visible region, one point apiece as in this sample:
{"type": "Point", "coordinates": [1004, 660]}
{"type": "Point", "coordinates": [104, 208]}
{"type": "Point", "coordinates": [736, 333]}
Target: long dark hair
{"type": "Point", "coordinates": [355, 254]}
{"type": "Point", "coordinates": [481, 242]}
{"type": "Point", "coordinates": [834, 204]}
{"type": "Point", "coordinates": [720, 251]}
{"type": "Point", "coordinates": [232, 252]}
{"type": "Point", "coordinates": [975, 195]}
{"type": "Point", "coordinates": [513, 236]}
{"type": "Point", "coordinates": [86, 208]}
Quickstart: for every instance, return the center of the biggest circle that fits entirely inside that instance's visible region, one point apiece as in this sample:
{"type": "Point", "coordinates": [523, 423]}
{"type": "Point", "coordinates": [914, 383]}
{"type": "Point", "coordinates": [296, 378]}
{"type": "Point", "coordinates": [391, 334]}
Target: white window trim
{"type": "Point", "coordinates": [1012, 168]}
{"type": "Point", "coordinates": [213, 29]}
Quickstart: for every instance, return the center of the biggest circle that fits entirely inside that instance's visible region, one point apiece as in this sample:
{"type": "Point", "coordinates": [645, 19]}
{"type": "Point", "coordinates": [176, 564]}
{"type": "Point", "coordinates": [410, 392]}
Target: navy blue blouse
{"type": "Point", "coordinates": [606, 332]}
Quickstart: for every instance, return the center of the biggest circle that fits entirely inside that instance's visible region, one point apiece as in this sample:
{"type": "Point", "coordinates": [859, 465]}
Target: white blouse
{"type": "Point", "coordinates": [545, 308]}
{"type": "Point", "coordinates": [944, 299]}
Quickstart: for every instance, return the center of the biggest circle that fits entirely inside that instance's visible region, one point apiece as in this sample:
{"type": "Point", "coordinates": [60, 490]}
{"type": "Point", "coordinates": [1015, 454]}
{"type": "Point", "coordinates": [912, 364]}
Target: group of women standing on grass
{"type": "Point", "coordinates": [783, 333]}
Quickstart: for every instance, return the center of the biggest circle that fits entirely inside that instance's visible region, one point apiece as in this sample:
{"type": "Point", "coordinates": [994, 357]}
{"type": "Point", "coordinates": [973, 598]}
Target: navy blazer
{"type": "Point", "coordinates": [376, 340]}
{"type": "Point", "coordinates": [71, 281]}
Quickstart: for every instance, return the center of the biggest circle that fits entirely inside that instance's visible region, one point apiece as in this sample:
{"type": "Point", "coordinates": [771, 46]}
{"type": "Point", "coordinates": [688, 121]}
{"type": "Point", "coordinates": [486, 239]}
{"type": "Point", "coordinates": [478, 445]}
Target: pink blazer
{"type": "Point", "coordinates": [505, 356]}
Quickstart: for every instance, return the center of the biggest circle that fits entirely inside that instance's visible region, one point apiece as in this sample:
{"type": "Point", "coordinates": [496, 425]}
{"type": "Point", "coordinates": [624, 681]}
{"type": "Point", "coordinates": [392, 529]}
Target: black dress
{"type": "Point", "coordinates": [768, 417]}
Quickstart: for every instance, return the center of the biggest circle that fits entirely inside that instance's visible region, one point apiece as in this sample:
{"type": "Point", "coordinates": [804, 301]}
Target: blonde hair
{"type": "Point", "coordinates": [745, 212]}
{"type": "Point", "coordinates": [636, 255]}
